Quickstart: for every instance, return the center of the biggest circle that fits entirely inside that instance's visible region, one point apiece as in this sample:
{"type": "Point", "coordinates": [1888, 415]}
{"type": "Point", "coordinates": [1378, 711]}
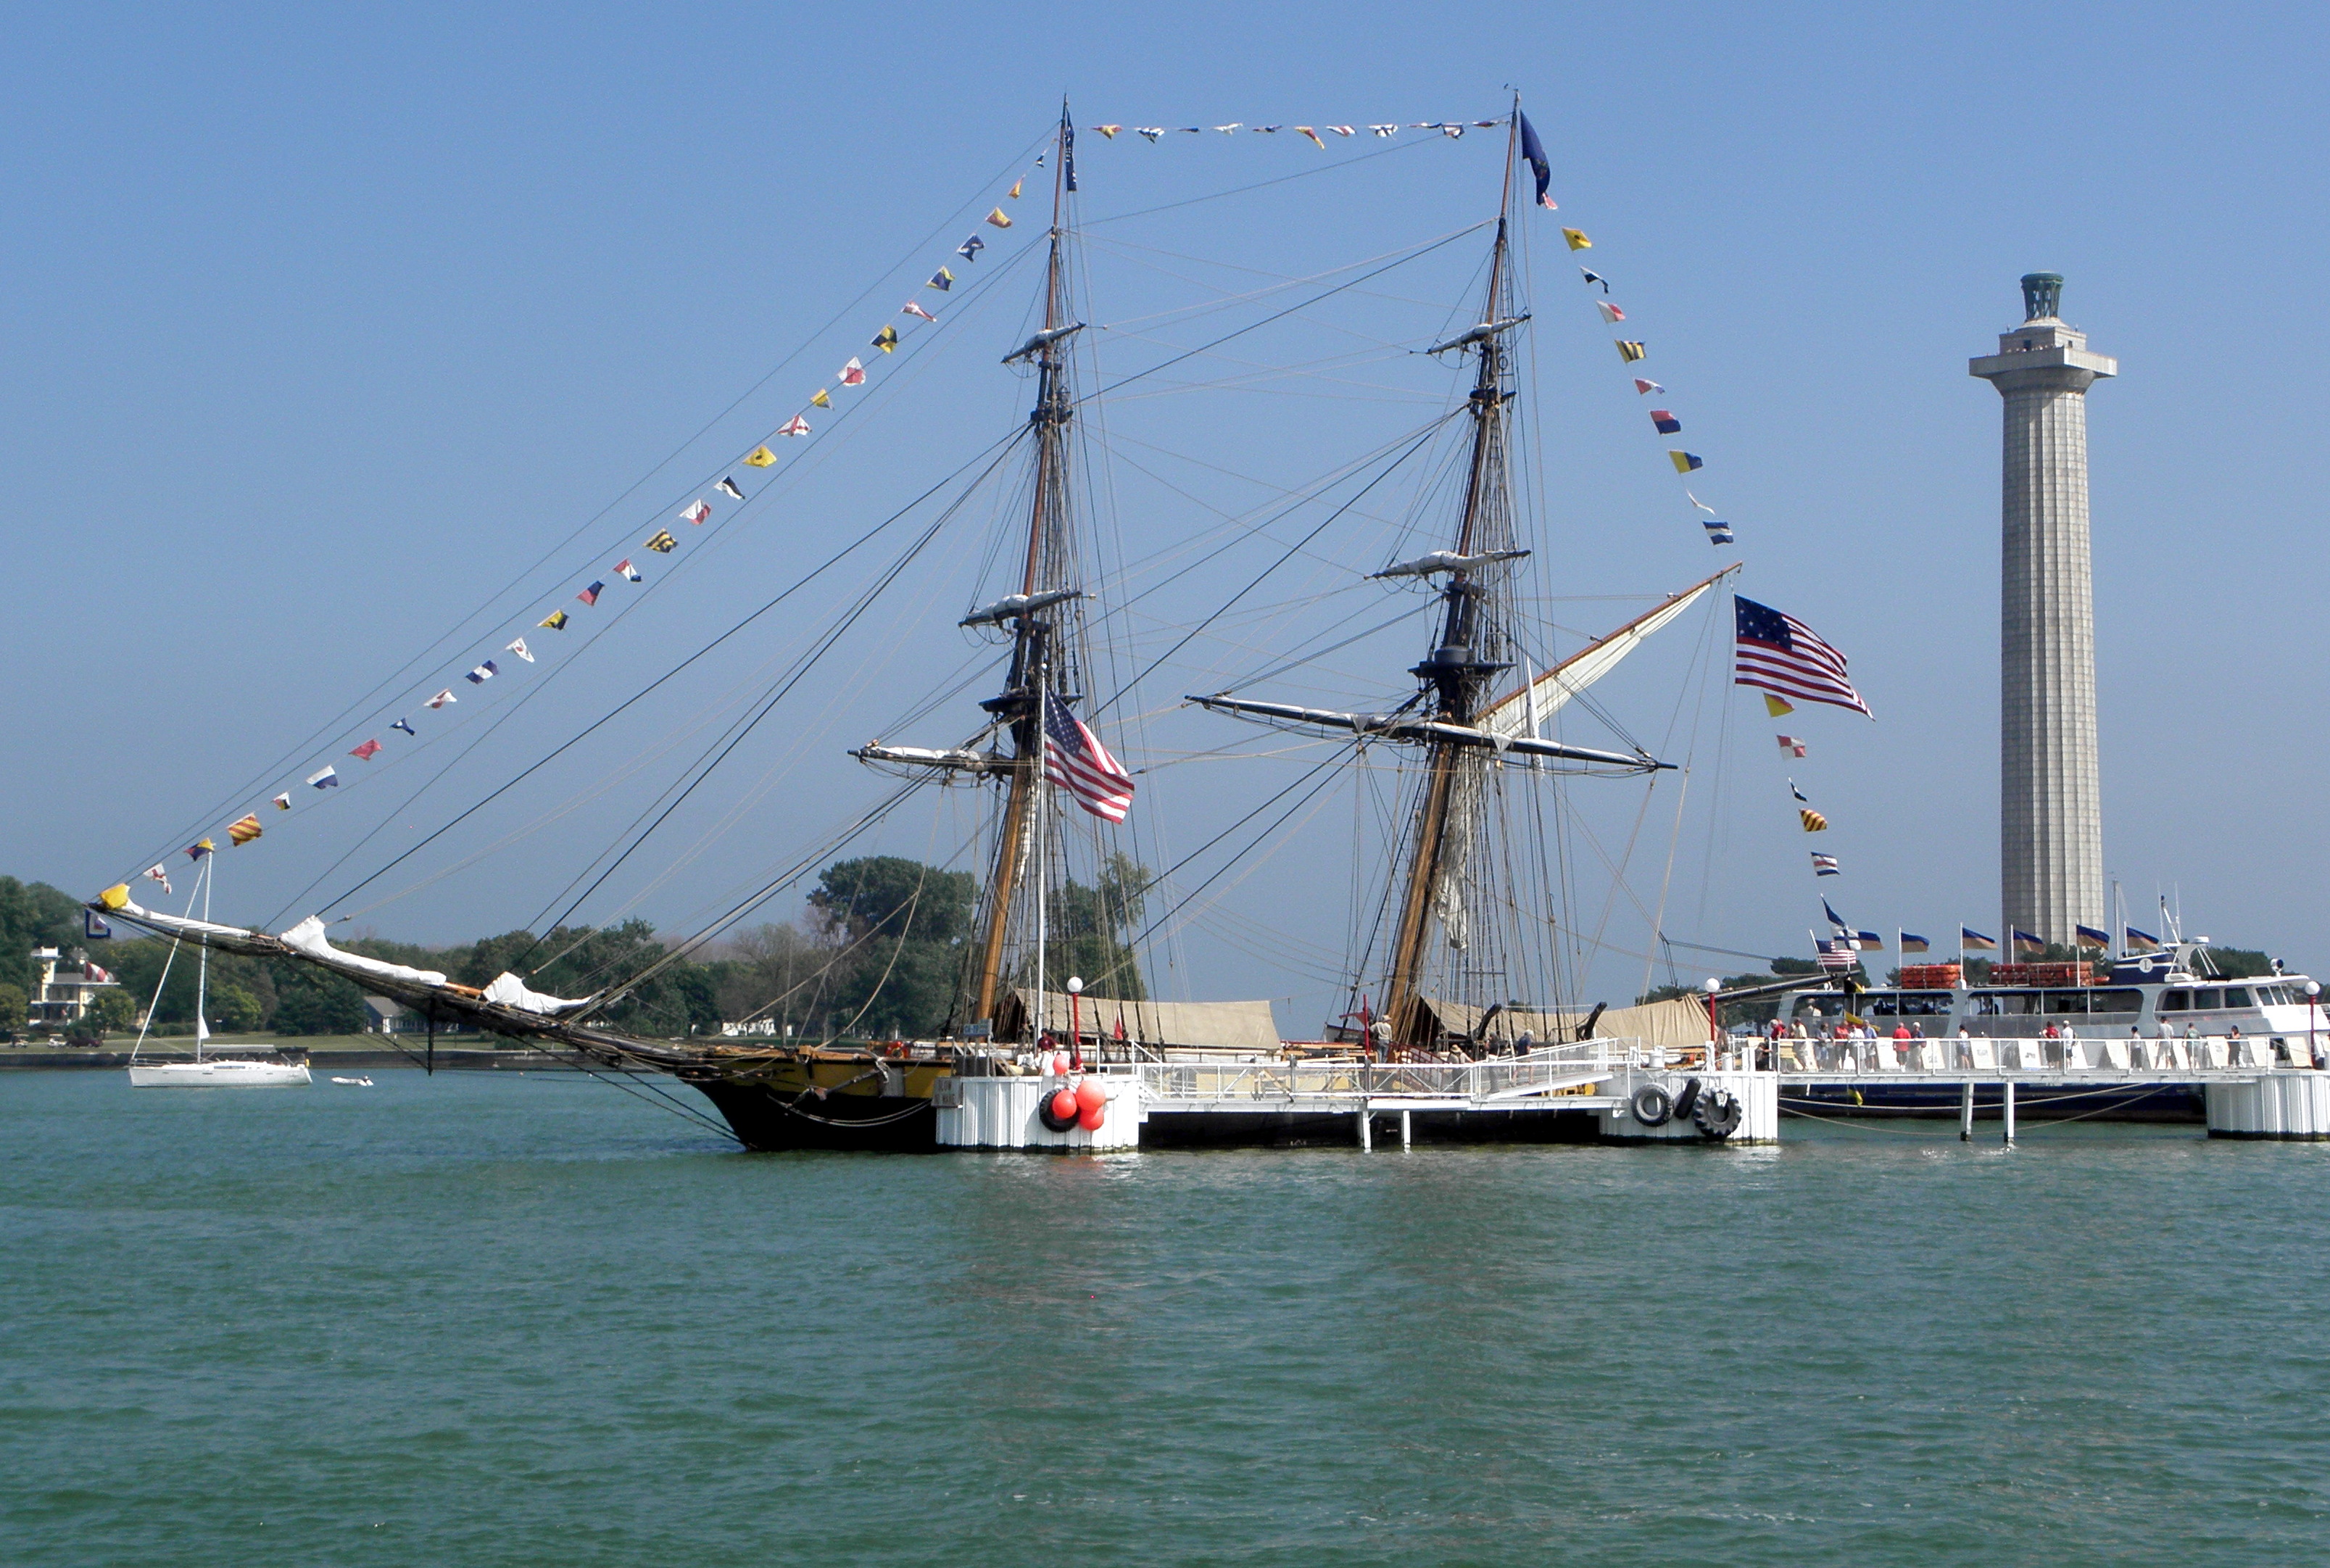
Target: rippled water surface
{"type": "Point", "coordinates": [491, 1319]}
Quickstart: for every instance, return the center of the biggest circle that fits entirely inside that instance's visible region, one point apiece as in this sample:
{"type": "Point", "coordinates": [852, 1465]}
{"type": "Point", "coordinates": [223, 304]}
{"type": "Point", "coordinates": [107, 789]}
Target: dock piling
{"type": "Point", "coordinates": [1966, 1111]}
{"type": "Point", "coordinates": [2010, 1114]}
{"type": "Point", "coordinates": [1367, 1129]}
{"type": "Point", "coordinates": [1404, 1139]}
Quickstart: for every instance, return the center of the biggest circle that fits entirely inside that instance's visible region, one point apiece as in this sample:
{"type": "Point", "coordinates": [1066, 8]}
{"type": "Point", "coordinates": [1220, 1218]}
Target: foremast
{"type": "Point", "coordinates": [1039, 657]}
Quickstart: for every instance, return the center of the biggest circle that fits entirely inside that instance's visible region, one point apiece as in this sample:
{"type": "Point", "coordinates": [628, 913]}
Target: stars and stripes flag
{"type": "Point", "coordinates": [1781, 654]}
{"type": "Point", "coordinates": [1075, 761]}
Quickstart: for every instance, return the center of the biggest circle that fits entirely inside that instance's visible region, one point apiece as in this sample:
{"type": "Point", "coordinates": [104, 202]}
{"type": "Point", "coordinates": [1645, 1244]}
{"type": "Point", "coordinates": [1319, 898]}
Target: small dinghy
{"type": "Point", "coordinates": [354, 1082]}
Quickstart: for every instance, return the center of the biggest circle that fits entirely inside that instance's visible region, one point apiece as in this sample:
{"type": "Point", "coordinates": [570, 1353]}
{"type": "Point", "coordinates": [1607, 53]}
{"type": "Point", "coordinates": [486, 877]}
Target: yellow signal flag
{"type": "Point", "coordinates": [887, 340]}
{"type": "Point", "coordinates": [115, 897]}
{"type": "Point", "coordinates": [761, 456]}
{"type": "Point", "coordinates": [1313, 135]}
{"type": "Point", "coordinates": [554, 622]}
{"type": "Point", "coordinates": [1813, 821]}
{"type": "Point", "coordinates": [1578, 240]}
{"type": "Point", "coordinates": [1630, 352]}
{"type": "Point", "coordinates": [1000, 218]}
{"type": "Point", "coordinates": [819, 401]}
{"type": "Point", "coordinates": [663, 544]}
{"type": "Point", "coordinates": [245, 830]}
{"type": "Point", "coordinates": [1775, 706]}
{"type": "Point", "coordinates": [1015, 188]}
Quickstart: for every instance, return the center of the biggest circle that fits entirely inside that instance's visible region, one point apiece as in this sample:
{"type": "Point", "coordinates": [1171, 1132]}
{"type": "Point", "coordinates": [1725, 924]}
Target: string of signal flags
{"type": "Point", "coordinates": [922, 305]}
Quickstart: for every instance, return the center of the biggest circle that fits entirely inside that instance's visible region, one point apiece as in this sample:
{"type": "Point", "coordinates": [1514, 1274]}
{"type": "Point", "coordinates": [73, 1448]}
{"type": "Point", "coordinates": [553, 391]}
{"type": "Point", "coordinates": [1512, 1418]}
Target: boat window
{"type": "Point", "coordinates": [2208, 998]}
{"type": "Point", "coordinates": [2129, 1002]}
{"type": "Point", "coordinates": [2270, 997]}
{"type": "Point", "coordinates": [1929, 1003]}
{"type": "Point", "coordinates": [1882, 1006]}
{"type": "Point", "coordinates": [2238, 996]}
{"type": "Point", "coordinates": [2175, 1001]}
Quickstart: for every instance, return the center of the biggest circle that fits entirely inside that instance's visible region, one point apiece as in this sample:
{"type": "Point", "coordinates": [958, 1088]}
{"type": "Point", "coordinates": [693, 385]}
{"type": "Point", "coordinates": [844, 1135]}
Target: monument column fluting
{"type": "Point", "coordinates": [2050, 807]}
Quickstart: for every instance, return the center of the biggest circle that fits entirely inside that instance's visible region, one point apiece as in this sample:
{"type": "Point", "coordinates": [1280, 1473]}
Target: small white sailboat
{"type": "Point", "coordinates": [205, 1072]}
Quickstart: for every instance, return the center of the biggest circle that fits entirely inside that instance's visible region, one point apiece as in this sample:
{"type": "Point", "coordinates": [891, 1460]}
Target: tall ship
{"type": "Point", "coordinates": [1458, 935]}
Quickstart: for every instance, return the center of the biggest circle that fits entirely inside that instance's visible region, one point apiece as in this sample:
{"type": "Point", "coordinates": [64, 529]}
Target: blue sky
{"type": "Point", "coordinates": [321, 326]}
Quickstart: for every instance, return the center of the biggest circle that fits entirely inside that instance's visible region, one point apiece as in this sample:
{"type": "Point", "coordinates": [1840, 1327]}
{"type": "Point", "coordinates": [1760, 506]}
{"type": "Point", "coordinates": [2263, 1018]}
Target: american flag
{"type": "Point", "coordinates": [1837, 954]}
{"type": "Point", "coordinates": [1075, 761]}
{"type": "Point", "coordinates": [1781, 654]}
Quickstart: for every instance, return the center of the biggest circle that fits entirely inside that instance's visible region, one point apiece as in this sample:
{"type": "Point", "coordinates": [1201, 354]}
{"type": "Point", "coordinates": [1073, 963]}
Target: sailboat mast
{"type": "Point", "coordinates": [1460, 668]}
{"type": "Point", "coordinates": [1032, 653]}
{"type": "Point", "coordinates": [203, 967]}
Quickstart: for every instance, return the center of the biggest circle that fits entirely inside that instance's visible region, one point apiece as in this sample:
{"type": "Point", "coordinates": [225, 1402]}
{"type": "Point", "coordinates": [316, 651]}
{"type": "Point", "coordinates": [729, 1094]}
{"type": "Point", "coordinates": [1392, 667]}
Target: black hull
{"type": "Point", "coordinates": [2155, 1102]}
{"type": "Point", "coordinates": [1291, 1130]}
{"type": "Point", "coordinates": [768, 1121]}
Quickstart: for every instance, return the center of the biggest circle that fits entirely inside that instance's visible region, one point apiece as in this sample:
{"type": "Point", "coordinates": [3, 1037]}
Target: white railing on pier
{"type": "Point", "coordinates": [1550, 1071]}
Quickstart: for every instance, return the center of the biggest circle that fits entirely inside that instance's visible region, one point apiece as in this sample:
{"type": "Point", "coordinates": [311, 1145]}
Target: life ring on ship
{"type": "Point", "coordinates": [1687, 1101]}
{"type": "Point", "coordinates": [1651, 1105]}
{"type": "Point", "coordinates": [1046, 1110]}
{"type": "Point", "coordinates": [1716, 1114]}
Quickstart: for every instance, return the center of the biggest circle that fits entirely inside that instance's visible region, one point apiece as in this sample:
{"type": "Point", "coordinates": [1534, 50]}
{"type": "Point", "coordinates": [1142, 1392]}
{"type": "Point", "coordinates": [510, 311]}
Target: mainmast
{"type": "Point", "coordinates": [1471, 637]}
{"type": "Point", "coordinates": [1038, 653]}
{"type": "Point", "coordinates": [1445, 857]}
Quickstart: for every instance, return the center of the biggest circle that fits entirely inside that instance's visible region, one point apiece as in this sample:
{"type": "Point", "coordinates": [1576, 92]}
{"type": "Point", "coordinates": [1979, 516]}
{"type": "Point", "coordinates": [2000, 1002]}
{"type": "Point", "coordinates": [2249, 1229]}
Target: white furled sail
{"type": "Point", "coordinates": [1520, 712]}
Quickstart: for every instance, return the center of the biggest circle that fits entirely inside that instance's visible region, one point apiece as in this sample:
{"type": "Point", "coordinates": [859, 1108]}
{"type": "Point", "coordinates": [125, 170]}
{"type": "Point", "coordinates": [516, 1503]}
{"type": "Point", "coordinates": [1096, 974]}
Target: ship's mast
{"type": "Point", "coordinates": [1460, 668]}
{"type": "Point", "coordinates": [1035, 652]}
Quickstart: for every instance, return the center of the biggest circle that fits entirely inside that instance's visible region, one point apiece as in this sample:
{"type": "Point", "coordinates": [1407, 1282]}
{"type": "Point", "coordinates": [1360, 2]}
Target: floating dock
{"type": "Point", "coordinates": [1602, 1091]}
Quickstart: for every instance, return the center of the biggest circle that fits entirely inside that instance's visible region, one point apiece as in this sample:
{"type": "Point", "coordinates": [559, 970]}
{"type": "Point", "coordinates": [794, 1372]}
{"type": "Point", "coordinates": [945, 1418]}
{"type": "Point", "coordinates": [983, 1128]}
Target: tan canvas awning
{"type": "Point", "coordinates": [1214, 1026]}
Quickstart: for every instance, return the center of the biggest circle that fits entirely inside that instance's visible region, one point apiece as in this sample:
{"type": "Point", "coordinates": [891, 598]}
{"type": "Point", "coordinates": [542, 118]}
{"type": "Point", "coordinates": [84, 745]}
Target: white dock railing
{"type": "Point", "coordinates": [1551, 1070]}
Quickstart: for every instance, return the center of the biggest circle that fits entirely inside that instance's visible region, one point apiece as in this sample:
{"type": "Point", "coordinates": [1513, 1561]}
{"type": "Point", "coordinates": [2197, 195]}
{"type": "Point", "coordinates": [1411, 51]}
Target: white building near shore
{"type": "Point", "coordinates": [64, 986]}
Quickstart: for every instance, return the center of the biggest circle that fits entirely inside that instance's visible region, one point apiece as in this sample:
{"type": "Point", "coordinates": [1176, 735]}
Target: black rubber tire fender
{"type": "Point", "coordinates": [1688, 1101]}
{"type": "Point", "coordinates": [1717, 1114]}
{"type": "Point", "coordinates": [1651, 1105]}
{"type": "Point", "coordinates": [1044, 1111]}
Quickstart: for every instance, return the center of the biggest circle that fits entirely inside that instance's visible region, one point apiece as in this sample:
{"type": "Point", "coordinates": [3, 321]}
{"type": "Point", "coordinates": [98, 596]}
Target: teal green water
{"type": "Point", "coordinates": [490, 1319]}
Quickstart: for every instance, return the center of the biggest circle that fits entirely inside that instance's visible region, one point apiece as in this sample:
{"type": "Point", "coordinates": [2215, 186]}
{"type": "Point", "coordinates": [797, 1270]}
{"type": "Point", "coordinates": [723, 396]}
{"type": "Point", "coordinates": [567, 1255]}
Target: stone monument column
{"type": "Point", "coordinates": [2051, 808]}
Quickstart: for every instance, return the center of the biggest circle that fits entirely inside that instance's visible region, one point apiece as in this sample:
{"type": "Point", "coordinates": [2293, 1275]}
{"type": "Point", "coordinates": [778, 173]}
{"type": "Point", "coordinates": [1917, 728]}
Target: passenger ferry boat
{"type": "Point", "coordinates": [2150, 996]}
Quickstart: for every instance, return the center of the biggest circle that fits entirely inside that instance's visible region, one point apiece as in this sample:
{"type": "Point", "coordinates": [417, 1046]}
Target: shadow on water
{"type": "Point", "coordinates": [490, 1319]}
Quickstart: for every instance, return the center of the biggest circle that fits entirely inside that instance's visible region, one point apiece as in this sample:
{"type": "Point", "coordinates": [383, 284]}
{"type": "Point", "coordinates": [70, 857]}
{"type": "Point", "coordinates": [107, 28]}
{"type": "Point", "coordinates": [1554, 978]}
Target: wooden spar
{"type": "Point", "coordinates": [1031, 660]}
{"type": "Point", "coordinates": [1460, 686]}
